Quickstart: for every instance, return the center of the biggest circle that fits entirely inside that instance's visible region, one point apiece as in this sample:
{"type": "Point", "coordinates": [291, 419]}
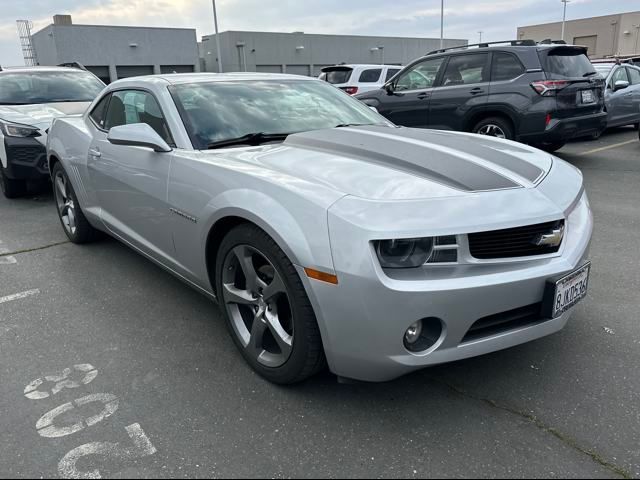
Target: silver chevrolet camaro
{"type": "Point", "coordinates": [327, 234]}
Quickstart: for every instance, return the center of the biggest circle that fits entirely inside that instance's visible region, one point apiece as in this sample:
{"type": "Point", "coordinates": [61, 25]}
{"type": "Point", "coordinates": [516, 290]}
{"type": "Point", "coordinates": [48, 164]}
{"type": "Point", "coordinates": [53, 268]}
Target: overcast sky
{"type": "Point", "coordinates": [421, 18]}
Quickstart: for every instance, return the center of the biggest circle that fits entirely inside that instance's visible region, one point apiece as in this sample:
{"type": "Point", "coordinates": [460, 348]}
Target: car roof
{"type": "Point", "coordinates": [38, 69]}
{"type": "Point", "coordinates": [184, 78]}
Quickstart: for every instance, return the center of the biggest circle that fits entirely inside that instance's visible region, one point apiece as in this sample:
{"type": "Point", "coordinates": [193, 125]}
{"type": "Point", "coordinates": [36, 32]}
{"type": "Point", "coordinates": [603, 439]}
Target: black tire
{"type": "Point", "coordinates": [83, 231]}
{"type": "Point", "coordinates": [306, 357]}
{"type": "Point", "coordinates": [595, 136]}
{"type": "Point", "coordinates": [636, 126]}
{"type": "Point", "coordinates": [551, 147]}
{"type": "Point", "coordinates": [10, 187]}
{"type": "Point", "coordinates": [501, 126]}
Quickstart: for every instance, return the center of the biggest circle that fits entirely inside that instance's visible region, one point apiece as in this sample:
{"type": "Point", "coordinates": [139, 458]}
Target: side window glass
{"type": "Point", "coordinates": [98, 115]}
{"type": "Point", "coordinates": [370, 76]}
{"type": "Point", "coordinates": [505, 67]}
{"type": "Point", "coordinates": [466, 70]}
{"type": "Point", "coordinates": [619, 75]}
{"type": "Point", "coordinates": [420, 76]}
{"type": "Point", "coordinates": [634, 75]}
{"type": "Point", "coordinates": [392, 72]}
{"type": "Point", "coordinates": [128, 107]}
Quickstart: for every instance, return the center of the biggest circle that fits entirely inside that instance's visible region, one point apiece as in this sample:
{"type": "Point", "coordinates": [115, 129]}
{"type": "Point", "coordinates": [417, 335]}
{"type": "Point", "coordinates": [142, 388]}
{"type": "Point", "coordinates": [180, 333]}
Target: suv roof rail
{"type": "Point", "coordinates": [513, 43]}
{"type": "Point", "coordinates": [549, 41]}
{"type": "Point", "coordinates": [77, 65]}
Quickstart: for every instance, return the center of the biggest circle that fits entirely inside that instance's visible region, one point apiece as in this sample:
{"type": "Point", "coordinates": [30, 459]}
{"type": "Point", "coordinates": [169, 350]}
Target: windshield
{"type": "Point", "coordinates": [28, 88]}
{"type": "Point", "coordinates": [604, 69]}
{"type": "Point", "coordinates": [219, 111]}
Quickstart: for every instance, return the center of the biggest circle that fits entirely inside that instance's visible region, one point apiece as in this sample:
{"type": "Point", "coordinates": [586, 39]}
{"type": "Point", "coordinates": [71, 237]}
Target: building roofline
{"type": "Point", "coordinates": [336, 35]}
{"type": "Point", "coordinates": [131, 27]}
{"type": "Point", "coordinates": [619, 14]}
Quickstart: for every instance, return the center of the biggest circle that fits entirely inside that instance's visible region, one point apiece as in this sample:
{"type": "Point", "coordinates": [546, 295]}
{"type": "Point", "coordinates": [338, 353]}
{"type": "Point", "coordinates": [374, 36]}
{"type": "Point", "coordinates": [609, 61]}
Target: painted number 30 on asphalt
{"type": "Point", "coordinates": [72, 378]}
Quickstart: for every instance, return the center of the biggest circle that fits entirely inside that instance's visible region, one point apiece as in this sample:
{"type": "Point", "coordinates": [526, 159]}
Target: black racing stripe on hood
{"type": "Point", "coordinates": [471, 145]}
{"type": "Point", "coordinates": [450, 170]}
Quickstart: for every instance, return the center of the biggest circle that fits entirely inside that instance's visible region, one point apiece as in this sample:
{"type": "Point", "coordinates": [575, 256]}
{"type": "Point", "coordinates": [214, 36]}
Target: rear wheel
{"type": "Point", "coordinates": [10, 187]}
{"type": "Point", "coordinates": [494, 127]}
{"type": "Point", "coordinates": [74, 223]}
{"type": "Point", "coordinates": [266, 307]}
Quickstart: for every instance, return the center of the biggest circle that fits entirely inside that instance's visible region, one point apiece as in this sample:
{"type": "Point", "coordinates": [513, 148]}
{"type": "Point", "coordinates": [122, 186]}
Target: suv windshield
{"type": "Point", "coordinates": [219, 111]}
{"type": "Point", "coordinates": [566, 63]}
{"type": "Point", "coordinates": [337, 77]}
{"type": "Point", "coordinates": [28, 88]}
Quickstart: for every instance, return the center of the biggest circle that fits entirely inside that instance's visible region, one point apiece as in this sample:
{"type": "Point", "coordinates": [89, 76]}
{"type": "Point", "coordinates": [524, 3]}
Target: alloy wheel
{"type": "Point", "coordinates": [492, 130]}
{"type": "Point", "coordinates": [258, 305]}
{"type": "Point", "coordinates": [65, 203]}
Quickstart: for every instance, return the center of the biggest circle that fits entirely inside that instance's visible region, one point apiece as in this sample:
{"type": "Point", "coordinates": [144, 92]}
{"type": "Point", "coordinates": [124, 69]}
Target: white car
{"type": "Point", "coordinates": [30, 98]}
{"type": "Point", "coordinates": [355, 79]}
{"type": "Point", "coordinates": [323, 230]}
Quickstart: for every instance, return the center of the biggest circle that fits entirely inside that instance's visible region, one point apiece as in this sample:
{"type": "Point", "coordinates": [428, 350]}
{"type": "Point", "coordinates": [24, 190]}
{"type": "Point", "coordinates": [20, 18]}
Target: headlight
{"type": "Point", "coordinates": [409, 253]}
{"type": "Point", "coordinates": [18, 130]}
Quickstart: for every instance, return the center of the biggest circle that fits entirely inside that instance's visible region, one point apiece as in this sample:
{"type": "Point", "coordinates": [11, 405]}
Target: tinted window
{"type": "Point", "coordinates": [336, 77]}
{"type": "Point", "coordinates": [603, 69]}
{"type": "Point", "coordinates": [620, 75]}
{"type": "Point", "coordinates": [466, 69]}
{"type": "Point", "coordinates": [223, 110]}
{"type": "Point", "coordinates": [133, 106]}
{"type": "Point", "coordinates": [392, 72]}
{"type": "Point", "coordinates": [48, 87]}
{"type": "Point", "coordinates": [634, 75]}
{"type": "Point", "coordinates": [99, 112]}
{"type": "Point", "coordinates": [420, 76]}
{"type": "Point", "coordinates": [566, 63]}
{"type": "Point", "coordinates": [505, 67]}
{"type": "Point", "coordinates": [370, 76]}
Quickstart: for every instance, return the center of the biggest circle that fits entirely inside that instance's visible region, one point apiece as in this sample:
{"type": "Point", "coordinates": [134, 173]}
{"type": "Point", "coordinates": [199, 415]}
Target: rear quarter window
{"type": "Point", "coordinates": [566, 63]}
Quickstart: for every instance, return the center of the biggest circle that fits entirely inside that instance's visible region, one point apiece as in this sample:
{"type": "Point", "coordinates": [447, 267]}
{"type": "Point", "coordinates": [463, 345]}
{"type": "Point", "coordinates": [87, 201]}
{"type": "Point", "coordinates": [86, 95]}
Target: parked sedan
{"type": "Point", "coordinates": [622, 94]}
{"type": "Point", "coordinates": [30, 98]}
{"type": "Point", "coordinates": [324, 231]}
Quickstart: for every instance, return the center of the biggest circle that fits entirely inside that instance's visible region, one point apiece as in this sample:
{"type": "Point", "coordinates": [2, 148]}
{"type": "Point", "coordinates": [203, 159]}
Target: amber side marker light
{"type": "Point", "coordinates": [321, 276]}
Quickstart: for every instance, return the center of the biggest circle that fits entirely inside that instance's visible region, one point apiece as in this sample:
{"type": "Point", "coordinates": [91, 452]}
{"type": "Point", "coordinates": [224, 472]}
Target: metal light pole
{"type": "Point", "coordinates": [480, 33]}
{"type": "Point", "coordinates": [637, 27]}
{"type": "Point", "coordinates": [564, 16]}
{"type": "Point", "coordinates": [215, 21]}
{"type": "Point", "coordinates": [442, 25]}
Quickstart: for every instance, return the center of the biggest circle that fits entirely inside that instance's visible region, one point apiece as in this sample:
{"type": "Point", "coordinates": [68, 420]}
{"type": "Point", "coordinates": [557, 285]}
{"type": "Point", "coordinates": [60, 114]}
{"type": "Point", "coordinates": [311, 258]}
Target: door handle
{"type": "Point", "coordinates": [424, 96]}
{"type": "Point", "coordinates": [476, 91]}
{"type": "Point", "coordinates": [95, 153]}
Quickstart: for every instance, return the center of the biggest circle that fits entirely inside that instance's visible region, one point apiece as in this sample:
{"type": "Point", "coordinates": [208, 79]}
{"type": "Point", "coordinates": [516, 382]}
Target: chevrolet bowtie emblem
{"type": "Point", "coordinates": [552, 239]}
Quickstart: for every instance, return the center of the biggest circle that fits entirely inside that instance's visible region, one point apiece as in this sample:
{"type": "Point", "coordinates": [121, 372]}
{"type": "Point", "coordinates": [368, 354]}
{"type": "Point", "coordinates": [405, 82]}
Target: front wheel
{"type": "Point", "coordinates": [266, 307]}
{"type": "Point", "coordinates": [10, 187]}
{"type": "Point", "coordinates": [74, 223]}
{"type": "Point", "coordinates": [494, 127]}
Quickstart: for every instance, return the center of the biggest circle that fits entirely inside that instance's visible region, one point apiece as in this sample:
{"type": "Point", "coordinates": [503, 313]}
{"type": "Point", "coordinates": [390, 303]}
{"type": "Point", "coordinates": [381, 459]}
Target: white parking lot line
{"type": "Point", "coordinates": [608, 147]}
{"type": "Point", "coordinates": [19, 296]}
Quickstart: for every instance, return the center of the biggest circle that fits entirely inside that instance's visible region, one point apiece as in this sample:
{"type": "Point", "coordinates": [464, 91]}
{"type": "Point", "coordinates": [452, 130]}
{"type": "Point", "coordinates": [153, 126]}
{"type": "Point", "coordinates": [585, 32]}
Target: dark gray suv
{"type": "Point", "coordinates": [540, 94]}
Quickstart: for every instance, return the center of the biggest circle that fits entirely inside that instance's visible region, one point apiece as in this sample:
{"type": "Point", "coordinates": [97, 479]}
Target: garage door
{"type": "Point", "coordinates": [298, 70]}
{"type": "Point", "coordinates": [591, 42]}
{"type": "Point", "coordinates": [134, 71]}
{"type": "Point", "coordinates": [101, 72]}
{"type": "Point", "coordinates": [177, 69]}
{"type": "Point", "coordinates": [269, 68]}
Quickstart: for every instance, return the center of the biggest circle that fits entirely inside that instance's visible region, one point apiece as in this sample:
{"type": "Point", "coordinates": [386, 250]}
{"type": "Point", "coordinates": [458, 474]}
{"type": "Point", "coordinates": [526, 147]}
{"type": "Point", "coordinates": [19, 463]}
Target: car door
{"type": "Point", "coordinates": [463, 87]}
{"type": "Point", "coordinates": [634, 77]}
{"type": "Point", "coordinates": [621, 111]}
{"type": "Point", "coordinates": [130, 183]}
{"type": "Point", "coordinates": [407, 103]}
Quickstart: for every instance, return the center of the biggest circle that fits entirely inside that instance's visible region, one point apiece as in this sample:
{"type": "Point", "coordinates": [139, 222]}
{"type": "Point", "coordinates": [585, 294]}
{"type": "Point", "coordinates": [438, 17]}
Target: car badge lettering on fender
{"type": "Point", "coordinates": [553, 239]}
{"type": "Point", "coordinates": [184, 215]}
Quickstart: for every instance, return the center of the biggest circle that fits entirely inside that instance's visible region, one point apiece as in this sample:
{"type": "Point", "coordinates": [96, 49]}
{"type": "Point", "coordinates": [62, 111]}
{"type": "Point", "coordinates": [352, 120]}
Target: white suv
{"type": "Point", "coordinates": [355, 79]}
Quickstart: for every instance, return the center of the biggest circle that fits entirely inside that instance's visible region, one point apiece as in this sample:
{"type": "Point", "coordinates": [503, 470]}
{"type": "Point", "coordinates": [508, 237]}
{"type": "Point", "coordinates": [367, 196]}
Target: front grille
{"type": "Point", "coordinates": [26, 154]}
{"type": "Point", "coordinates": [504, 322]}
{"type": "Point", "coordinates": [513, 242]}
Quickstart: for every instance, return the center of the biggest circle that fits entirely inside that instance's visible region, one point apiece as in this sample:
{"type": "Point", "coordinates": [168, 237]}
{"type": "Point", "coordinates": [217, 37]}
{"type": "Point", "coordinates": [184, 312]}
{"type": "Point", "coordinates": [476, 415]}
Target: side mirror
{"type": "Point", "coordinates": [620, 85]}
{"type": "Point", "coordinates": [138, 135]}
{"type": "Point", "coordinates": [389, 88]}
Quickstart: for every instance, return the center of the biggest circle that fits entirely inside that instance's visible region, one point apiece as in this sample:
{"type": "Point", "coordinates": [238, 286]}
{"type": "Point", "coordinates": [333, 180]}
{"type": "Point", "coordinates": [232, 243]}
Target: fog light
{"type": "Point", "coordinates": [413, 333]}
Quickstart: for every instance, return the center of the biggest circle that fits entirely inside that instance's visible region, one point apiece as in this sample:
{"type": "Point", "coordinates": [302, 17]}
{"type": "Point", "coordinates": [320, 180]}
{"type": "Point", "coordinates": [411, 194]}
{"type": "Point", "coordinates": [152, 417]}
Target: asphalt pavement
{"type": "Point", "coordinates": [111, 366]}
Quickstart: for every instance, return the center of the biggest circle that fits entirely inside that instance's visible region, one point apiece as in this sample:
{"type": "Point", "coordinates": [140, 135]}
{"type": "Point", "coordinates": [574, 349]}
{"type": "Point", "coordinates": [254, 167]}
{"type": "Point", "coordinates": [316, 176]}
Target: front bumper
{"type": "Point", "coordinates": [562, 130]}
{"type": "Point", "coordinates": [26, 159]}
{"type": "Point", "coordinates": [363, 319]}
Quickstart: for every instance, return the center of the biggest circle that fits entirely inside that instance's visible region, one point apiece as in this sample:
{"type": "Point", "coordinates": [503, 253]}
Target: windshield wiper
{"type": "Point", "coordinates": [345, 125]}
{"type": "Point", "coordinates": [252, 139]}
{"type": "Point", "coordinates": [589, 74]}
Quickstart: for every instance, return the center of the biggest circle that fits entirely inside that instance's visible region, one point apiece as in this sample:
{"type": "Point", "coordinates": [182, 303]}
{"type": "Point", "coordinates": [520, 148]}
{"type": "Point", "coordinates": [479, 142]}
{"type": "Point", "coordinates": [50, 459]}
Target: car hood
{"type": "Point", "coordinates": [41, 115]}
{"type": "Point", "coordinates": [389, 163]}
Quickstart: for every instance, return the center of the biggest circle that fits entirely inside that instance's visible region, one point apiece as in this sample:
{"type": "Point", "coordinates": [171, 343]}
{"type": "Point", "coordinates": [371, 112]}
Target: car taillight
{"type": "Point", "coordinates": [548, 120]}
{"type": "Point", "coordinates": [351, 90]}
{"type": "Point", "coordinates": [548, 88]}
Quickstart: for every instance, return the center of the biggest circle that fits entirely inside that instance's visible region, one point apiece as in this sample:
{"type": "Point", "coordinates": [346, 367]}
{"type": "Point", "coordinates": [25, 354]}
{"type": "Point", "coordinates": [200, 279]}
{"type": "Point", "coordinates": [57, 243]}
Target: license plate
{"type": "Point", "coordinates": [565, 293]}
{"type": "Point", "coordinates": [588, 96]}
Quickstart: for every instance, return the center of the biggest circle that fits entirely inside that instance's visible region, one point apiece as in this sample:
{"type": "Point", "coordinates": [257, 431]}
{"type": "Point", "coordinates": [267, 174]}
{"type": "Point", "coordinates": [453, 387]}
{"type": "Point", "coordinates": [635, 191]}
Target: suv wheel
{"type": "Point", "coordinates": [551, 147]}
{"type": "Point", "coordinates": [266, 307]}
{"type": "Point", "coordinates": [494, 127]}
{"type": "Point", "coordinates": [11, 188]}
